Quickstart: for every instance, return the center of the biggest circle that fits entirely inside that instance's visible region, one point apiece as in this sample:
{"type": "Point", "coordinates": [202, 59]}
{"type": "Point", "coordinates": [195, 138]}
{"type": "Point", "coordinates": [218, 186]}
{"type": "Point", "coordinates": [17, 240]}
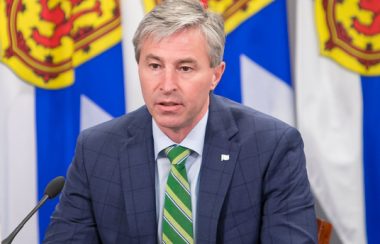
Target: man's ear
{"type": "Point", "coordinates": [218, 73]}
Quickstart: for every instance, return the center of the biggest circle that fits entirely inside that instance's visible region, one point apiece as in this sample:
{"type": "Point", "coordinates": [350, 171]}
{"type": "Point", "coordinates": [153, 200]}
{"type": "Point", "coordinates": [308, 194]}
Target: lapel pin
{"type": "Point", "coordinates": [224, 157]}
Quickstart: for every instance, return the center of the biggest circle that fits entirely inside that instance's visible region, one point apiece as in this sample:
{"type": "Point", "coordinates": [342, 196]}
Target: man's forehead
{"type": "Point", "coordinates": [186, 46]}
{"type": "Point", "coordinates": [185, 59]}
{"type": "Point", "coordinates": [160, 37]}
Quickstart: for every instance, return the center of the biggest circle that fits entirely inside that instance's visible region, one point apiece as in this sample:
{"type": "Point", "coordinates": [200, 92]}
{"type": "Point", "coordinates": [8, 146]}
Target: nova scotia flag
{"type": "Point", "coordinates": [338, 111]}
{"type": "Point", "coordinates": [66, 76]}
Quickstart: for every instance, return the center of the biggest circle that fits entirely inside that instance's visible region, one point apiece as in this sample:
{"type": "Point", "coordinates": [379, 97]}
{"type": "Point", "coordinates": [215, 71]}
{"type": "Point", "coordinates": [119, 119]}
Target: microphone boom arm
{"type": "Point", "coordinates": [11, 236]}
{"type": "Point", "coordinates": [52, 190]}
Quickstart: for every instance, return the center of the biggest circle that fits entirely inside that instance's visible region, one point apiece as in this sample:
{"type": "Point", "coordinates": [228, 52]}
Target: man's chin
{"type": "Point", "coordinates": [168, 125]}
{"type": "Point", "coordinates": [169, 122]}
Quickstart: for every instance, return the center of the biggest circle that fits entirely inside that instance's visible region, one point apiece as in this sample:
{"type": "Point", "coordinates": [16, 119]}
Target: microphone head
{"type": "Point", "coordinates": [54, 187]}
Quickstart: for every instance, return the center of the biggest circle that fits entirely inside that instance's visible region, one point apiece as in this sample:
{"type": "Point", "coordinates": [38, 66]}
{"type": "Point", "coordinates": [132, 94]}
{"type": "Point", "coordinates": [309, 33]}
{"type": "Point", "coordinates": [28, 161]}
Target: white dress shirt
{"type": "Point", "coordinates": [194, 141]}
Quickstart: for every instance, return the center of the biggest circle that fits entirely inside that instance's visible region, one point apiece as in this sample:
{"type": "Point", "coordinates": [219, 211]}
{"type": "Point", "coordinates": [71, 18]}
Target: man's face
{"type": "Point", "coordinates": [176, 79]}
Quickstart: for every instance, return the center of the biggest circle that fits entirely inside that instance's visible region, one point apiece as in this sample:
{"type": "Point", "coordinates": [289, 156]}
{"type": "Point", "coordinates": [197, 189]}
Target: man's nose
{"type": "Point", "coordinates": [169, 82]}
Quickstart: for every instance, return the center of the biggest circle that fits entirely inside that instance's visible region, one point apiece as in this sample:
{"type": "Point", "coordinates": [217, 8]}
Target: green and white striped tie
{"type": "Point", "coordinates": [177, 224]}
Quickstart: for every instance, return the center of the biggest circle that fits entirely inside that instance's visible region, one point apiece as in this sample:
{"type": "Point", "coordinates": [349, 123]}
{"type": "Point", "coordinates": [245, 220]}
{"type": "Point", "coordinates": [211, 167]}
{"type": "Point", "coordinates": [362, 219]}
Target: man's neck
{"type": "Point", "coordinates": [177, 135]}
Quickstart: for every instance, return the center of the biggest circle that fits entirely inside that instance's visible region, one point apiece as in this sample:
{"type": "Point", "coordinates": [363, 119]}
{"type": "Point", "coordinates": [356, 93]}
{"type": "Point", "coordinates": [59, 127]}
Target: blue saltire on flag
{"type": "Point", "coordinates": [371, 155]}
{"type": "Point", "coordinates": [58, 117]}
{"type": "Point", "coordinates": [264, 39]}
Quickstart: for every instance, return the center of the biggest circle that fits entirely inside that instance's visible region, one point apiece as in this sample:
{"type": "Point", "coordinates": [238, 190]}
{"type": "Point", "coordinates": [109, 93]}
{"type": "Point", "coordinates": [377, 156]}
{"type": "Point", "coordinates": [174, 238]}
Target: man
{"type": "Point", "coordinates": [238, 176]}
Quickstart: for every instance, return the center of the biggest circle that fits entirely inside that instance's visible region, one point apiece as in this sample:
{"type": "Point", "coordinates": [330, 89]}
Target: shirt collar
{"type": "Point", "coordinates": [194, 140]}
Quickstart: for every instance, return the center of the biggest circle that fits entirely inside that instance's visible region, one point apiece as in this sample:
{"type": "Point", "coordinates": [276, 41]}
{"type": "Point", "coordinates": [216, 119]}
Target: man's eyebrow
{"type": "Point", "coordinates": [187, 60]}
{"type": "Point", "coordinates": [152, 56]}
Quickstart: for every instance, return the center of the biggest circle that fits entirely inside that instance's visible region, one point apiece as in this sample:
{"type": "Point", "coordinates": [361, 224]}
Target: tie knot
{"type": "Point", "coordinates": [177, 154]}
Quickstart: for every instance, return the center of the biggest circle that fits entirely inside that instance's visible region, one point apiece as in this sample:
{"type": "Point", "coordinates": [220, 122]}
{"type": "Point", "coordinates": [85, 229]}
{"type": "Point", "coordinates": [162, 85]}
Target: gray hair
{"type": "Point", "coordinates": [172, 16]}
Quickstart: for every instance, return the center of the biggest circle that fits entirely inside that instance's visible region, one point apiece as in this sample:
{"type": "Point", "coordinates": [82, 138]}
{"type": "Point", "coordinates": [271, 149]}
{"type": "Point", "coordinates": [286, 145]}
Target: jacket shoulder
{"type": "Point", "coordinates": [117, 128]}
{"type": "Point", "coordinates": [248, 119]}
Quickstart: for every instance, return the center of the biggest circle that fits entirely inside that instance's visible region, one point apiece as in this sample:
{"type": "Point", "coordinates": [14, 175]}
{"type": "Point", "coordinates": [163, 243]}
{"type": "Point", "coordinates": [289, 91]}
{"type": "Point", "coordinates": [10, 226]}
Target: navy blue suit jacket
{"type": "Point", "coordinates": [260, 195]}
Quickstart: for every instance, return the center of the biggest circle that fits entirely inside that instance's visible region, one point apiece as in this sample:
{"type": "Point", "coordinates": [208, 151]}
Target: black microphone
{"type": "Point", "coordinates": [52, 190]}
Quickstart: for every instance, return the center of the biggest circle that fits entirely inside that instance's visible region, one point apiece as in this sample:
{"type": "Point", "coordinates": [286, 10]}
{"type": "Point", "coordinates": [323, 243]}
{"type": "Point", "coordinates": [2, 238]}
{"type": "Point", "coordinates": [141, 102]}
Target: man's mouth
{"type": "Point", "coordinates": [168, 106]}
{"type": "Point", "coordinates": [168, 103]}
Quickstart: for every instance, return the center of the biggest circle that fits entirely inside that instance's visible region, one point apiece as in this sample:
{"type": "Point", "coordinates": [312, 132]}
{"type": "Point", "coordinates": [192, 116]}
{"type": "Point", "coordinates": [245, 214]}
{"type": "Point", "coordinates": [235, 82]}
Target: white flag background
{"type": "Point", "coordinates": [329, 115]}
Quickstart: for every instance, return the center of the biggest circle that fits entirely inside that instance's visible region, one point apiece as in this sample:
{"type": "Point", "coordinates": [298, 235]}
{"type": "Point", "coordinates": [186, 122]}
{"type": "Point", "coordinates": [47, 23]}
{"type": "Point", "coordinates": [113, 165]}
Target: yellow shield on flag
{"type": "Point", "coordinates": [349, 33]}
{"type": "Point", "coordinates": [233, 12]}
{"type": "Point", "coordinates": [43, 41]}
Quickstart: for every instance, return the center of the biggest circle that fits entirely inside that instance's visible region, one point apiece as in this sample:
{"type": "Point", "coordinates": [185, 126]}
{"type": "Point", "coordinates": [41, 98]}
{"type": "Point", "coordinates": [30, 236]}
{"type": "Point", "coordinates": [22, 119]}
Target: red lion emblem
{"type": "Point", "coordinates": [63, 25]}
{"type": "Point", "coordinates": [373, 28]}
{"type": "Point", "coordinates": [45, 40]}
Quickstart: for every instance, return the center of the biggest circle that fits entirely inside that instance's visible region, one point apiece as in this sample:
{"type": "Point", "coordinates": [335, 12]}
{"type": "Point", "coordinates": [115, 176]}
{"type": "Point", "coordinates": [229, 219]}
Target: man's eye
{"type": "Point", "coordinates": [186, 68]}
{"type": "Point", "coordinates": [154, 66]}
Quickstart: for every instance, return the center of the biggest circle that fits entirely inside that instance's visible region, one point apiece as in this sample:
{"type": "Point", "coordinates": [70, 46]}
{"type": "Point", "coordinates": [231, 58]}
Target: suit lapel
{"type": "Point", "coordinates": [218, 164]}
{"type": "Point", "coordinates": [137, 166]}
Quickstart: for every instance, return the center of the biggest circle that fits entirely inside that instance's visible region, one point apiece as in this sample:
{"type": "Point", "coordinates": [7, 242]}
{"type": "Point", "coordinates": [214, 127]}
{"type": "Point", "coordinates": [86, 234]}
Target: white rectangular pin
{"type": "Point", "coordinates": [224, 157]}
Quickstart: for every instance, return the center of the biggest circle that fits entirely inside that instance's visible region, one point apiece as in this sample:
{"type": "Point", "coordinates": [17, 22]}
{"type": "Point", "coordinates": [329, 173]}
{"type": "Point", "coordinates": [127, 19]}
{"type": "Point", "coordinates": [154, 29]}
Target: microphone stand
{"type": "Point", "coordinates": [11, 236]}
{"type": "Point", "coordinates": [52, 190]}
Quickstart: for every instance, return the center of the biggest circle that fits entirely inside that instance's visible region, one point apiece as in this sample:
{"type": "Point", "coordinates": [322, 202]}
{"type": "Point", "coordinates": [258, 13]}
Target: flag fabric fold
{"type": "Point", "coordinates": [258, 70]}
